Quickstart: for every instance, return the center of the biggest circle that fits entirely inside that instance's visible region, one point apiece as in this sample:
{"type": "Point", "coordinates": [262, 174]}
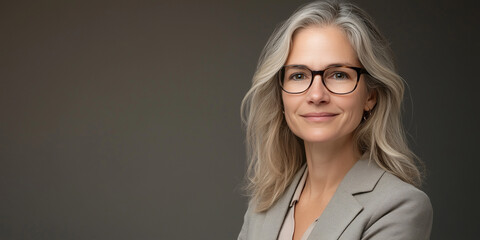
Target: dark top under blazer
{"type": "Point", "coordinates": [369, 203]}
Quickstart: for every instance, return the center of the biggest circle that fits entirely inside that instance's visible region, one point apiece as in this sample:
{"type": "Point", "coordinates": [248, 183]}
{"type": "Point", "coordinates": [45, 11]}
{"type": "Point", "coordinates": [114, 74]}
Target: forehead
{"type": "Point", "coordinates": [320, 46]}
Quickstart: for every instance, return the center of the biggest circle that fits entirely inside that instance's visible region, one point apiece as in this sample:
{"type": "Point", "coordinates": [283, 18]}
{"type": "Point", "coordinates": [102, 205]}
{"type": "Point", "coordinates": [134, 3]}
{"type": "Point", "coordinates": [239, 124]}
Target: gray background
{"type": "Point", "coordinates": [120, 120]}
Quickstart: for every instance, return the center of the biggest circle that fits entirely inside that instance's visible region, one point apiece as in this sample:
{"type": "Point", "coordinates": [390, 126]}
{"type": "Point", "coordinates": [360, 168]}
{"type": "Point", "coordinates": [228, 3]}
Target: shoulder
{"type": "Point", "coordinates": [396, 208]}
{"type": "Point", "coordinates": [252, 222]}
{"type": "Point", "coordinates": [393, 192]}
{"type": "Point", "coordinates": [266, 224]}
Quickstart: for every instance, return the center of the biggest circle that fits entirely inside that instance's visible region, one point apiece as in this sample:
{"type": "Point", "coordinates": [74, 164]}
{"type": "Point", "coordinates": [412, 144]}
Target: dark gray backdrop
{"type": "Point", "coordinates": [120, 119]}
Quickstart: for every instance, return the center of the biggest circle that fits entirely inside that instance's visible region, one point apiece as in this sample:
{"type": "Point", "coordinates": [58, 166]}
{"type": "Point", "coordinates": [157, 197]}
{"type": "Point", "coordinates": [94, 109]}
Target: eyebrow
{"type": "Point", "coordinates": [340, 64]}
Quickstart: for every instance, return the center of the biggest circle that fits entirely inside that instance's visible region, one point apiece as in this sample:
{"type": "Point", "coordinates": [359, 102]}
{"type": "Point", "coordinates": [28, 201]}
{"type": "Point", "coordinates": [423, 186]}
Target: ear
{"type": "Point", "coordinates": [371, 100]}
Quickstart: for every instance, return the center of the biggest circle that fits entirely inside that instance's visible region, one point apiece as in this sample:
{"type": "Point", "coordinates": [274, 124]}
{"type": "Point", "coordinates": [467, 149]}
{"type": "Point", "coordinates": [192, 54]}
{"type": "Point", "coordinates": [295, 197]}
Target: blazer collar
{"type": "Point", "coordinates": [362, 177]}
{"type": "Point", "coordinates": [340, 211]}
{"type": "Point", "coordinates": [343, 207]}
{"type": "Point", "coordinates": [276, 214]}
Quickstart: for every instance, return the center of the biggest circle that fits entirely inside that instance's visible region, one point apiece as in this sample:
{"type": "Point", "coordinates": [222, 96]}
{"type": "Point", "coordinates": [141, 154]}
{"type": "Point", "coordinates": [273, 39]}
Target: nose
{"type": "Point", "coordinates": [318, 93]}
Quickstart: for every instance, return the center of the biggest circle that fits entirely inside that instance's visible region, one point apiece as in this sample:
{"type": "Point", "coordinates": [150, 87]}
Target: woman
{"type": "Point", "coordinates": [328, 156]}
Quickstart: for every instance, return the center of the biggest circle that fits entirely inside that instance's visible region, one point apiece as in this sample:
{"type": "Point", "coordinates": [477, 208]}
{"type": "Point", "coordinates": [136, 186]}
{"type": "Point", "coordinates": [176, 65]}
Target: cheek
{"type": "Point", "coordinates": [356, 117]}
{"type": "Point", "coordinates": [352, 106]}
{"type": "Point", "coordinates": [293, 124]}
{"type": "Point", "coordinates": [290, 106]}
{"type": "Point", "coordinates": [355, 113]}
{"type": "Point", "coordinates": [355, 110]}
{"type": "Point", "coordinates": [287, 102]}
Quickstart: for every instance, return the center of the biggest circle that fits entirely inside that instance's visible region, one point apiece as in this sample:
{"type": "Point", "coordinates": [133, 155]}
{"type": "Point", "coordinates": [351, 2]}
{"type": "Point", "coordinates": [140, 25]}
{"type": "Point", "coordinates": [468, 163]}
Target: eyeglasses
{"type": "Point", "coordinates": [341, 80]}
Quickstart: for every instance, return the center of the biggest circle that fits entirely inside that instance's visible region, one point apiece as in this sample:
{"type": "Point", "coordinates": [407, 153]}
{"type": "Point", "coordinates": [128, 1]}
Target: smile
{"type": "Point", "coordinates": [319, 117]}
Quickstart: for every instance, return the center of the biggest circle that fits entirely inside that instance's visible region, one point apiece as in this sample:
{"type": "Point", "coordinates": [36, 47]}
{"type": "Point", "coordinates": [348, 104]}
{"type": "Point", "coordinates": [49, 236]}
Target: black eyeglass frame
{"type": "Point", "coordinates": [281, 76]}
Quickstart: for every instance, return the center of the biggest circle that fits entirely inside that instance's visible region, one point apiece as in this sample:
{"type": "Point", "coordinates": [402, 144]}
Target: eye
{"type": "Point", "coordinates": [338, 75]}
{"type": "Point", "coordinates": [297, 76]}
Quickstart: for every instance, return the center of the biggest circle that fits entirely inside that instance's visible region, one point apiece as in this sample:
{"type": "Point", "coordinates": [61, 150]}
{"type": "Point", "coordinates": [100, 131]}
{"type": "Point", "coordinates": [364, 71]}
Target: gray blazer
{"type": "Point", "coordinates": [369, 204]}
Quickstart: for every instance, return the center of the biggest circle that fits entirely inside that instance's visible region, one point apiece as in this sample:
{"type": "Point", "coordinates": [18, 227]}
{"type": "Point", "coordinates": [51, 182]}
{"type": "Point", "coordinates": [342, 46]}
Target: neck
{"type": "Point", "coordinates": [328, 163]}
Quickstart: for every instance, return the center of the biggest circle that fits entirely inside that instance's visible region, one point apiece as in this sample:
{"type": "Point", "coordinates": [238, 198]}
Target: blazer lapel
{"type": "Point", "coordinates": [338, 214]}
{"type": "Point", "coordinates": [276, 214]}
{"type": "Point", "coordinates": [343, 207]}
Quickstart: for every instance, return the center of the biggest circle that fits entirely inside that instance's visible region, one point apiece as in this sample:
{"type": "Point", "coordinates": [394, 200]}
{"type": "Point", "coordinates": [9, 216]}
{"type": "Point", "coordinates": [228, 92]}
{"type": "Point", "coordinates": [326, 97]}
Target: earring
{"type": "Point", "coordinates": [366, 115]}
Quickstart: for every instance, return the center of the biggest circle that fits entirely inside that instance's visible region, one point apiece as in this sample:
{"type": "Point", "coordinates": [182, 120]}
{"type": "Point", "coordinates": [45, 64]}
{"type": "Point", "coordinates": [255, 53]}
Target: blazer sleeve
{"type": "Point", "coordinates": [243, 231]}
{"type": "Point", "coordinates": [246, 221]}
{"type": "Point", "coordinates": [403, 214]}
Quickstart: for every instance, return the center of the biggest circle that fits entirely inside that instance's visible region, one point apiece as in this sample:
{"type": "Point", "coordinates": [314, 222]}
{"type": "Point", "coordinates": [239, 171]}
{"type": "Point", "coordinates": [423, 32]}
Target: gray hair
{"type": "Point", "coordinates": [275, 154]}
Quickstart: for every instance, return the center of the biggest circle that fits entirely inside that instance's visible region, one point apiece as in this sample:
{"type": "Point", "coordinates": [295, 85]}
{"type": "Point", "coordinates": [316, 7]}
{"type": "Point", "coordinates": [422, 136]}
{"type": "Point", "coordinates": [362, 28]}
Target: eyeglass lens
{"type": "Point", "coordinates": [297, 79]}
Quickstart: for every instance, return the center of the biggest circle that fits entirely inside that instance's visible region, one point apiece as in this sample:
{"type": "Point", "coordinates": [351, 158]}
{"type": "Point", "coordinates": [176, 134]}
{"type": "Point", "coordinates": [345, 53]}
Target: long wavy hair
{"type": "Point", "coordinates": [274, 153]}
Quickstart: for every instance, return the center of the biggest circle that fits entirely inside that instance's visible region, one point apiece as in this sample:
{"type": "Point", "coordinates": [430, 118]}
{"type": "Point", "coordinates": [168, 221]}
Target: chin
{"type": "Point", "coordinates": [317, 136]}
{"type": "Point", "coordinates": [316, 140]}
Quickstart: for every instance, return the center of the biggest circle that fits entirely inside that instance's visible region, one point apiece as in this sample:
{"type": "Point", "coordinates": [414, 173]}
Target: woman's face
{"type": "Point", "coordinates": [318, 115]}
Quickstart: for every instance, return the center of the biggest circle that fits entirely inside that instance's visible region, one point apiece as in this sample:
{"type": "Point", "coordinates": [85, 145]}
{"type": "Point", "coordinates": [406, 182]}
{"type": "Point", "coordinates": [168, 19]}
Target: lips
{"type": "Point", "coordinates": [319, 117]}
{"type": "Point", "coordinates": [322, 114]}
